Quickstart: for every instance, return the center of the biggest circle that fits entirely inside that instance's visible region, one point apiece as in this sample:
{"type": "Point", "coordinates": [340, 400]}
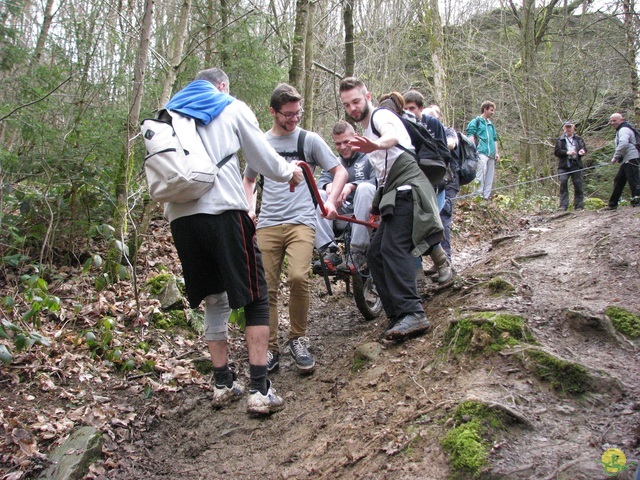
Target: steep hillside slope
{"type": "Point", "coordinates": [387, 420]}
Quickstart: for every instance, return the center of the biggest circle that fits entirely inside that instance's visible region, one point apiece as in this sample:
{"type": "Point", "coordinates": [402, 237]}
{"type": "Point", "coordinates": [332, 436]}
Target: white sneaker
{"type": "Point", "coordinates": [260, 404]}
{"type": "Point", "coordinates": [222, 395]}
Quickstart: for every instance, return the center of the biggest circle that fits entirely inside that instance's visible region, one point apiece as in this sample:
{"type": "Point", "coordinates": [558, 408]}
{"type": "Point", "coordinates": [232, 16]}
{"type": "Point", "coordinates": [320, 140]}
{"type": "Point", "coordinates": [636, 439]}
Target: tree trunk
{"type": "Point", "coordinates": [225, 8]}
{"type": "Point", "coordinates": [309, 92]}
{"type": "Point", "coordinates": [209, 43]}
{"type": "Point", "coordinates": [44, 32]}
{"type": "Point", "coordinates": [296, 71]}
{"type": "Point", "coordinates": [433, 26]}
{"type": "Point", "coordinates": [125, 168]}
{"type": "Point", "coordinates": [631, 34]}
{"type": "Point", "coordinates": [176, 52]}
{"type": "Point", "coordinates": [349, 53]}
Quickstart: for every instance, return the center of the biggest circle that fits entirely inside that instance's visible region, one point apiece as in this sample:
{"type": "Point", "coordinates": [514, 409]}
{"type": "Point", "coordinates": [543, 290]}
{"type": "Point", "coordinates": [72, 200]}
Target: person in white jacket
{"type": "Point", "coordinates": [628, 155]}
{"type": "Point", "coordinates": [215, 237]}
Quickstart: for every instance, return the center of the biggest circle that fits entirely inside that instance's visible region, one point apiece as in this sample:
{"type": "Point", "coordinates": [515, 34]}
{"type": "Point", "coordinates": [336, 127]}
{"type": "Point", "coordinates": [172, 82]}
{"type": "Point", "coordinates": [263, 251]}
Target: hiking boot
{"type": "Point", "coordinates": [299, 348]}
{"type": "Point", "coordinates": [260, 404]}
{"type": "Point", "coordinates": [442, 263]}
{"type": "Point", "coordinates": [430, 271]}
{"type": "Point", "coordinates": [611, 207]}
{"type": "Point", "coordinates": [273, 361]}
{"type": "Point", "coordinates": [355, 260]}
{"type": "Point", "coordinates": [635, 201]}
{"type": "Point", "coordinates": [223, 395]}
{"type": "Point", "coordinates": [408, 324]}
{"type": "Point", "coordinates": [331, 261]}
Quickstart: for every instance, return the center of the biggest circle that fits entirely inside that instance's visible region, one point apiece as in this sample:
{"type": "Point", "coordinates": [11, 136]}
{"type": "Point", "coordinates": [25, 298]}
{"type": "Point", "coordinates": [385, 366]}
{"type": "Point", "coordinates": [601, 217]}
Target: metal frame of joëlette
{"type": "Point", "coordinates": [313, 189]}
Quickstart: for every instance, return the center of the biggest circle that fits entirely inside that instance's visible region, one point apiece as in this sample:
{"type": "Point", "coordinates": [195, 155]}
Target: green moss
{"type": "Point", "coordinates": [469, 442]}
{"type": "Point", "coordinates": [171, 320]}
{"type": "Point", "coordinates": [499, 285]}
{"type": "Point", "coordinates": [468, 453]}
{"type": "Point", "coordinates": [624, 321]}
{"type": "Point", "coordinates": [564, 376]}
{"type": "Point", "coordinates": [594, 203]}
{"type": "Point", "coordinates": [458, 336]}
{"type": "Point", "coordinates": [488, 331]}
{"type": "Point", "coordinates": [203, 366]}
{"type": "Point", "coordinates": [158, 283]}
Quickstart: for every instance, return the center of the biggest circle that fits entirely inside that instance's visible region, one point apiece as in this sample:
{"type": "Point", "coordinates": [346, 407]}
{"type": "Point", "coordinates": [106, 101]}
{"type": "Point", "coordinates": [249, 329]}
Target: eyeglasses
{"type": "Point", "coordinates": [290, 115]}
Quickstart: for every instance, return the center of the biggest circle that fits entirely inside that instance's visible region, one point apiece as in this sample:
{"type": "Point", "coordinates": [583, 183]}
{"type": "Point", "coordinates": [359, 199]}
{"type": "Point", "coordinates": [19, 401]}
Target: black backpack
{"type": "Point", "coordinates": [636, 132]}
{"type": "Point", "coordinates": [432, 154]}
{"type": "Point", "coordinates": [468, 155]}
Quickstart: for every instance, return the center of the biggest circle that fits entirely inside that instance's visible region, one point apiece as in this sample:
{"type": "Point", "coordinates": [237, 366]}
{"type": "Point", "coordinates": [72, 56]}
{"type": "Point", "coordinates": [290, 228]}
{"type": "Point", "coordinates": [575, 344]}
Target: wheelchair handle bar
{"type": "Point", "coordinates": [313, 189]}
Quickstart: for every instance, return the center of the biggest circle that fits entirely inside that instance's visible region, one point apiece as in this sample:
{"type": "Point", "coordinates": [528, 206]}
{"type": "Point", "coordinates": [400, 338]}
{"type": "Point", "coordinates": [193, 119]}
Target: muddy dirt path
{"type": "Point", "coordinates": [387, 419]}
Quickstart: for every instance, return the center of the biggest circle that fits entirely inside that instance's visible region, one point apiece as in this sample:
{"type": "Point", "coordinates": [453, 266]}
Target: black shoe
{"type": "Point", "coordinates": [299, 348]}
{"type": "Point", "coordinates": [273, 361]}
{"type": "Point", "coordinates": [391, 323]}
{"type": "Point", "coordinates": [409, 324]}
{"type": "Point", "coordinates": [611, 207]}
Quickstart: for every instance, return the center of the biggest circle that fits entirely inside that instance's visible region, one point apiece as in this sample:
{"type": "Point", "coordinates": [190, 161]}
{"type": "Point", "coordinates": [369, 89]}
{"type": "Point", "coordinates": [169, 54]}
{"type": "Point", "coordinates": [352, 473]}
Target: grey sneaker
{"type": "Point", "coordinates": [299, 348]}
{"type": "Point", "coordinates": [355, 260]}
{"type": "Point", "coordinates": [407, 325]}
{"type": "Point", "coordinates": [330, 259]}
{"type": "Point", "coordinates": [273, 361]}
{"type": "Point", "coordinates": [260, 404]}
{"type": "Point", "coordinates": [223, 395]}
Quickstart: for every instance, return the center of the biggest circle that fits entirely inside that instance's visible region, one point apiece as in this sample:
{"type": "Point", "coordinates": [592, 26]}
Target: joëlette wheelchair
{"type": "Point", "coordinates": [364, 291]}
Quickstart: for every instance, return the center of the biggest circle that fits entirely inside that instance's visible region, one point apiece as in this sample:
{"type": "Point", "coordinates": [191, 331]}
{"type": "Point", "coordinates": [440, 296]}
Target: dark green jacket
{"type": "Point", "coordinates": [427, 227]}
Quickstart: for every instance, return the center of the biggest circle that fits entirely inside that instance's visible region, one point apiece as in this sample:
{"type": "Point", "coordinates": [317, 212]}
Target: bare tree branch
{"type": "Point", "coordinates": [35, 101]}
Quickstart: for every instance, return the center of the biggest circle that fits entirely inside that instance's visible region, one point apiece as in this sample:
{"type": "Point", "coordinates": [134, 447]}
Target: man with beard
{"type": "Point", "coordinates": [287, 222]}
{"type": "Point", "coordinates": [410, 225]}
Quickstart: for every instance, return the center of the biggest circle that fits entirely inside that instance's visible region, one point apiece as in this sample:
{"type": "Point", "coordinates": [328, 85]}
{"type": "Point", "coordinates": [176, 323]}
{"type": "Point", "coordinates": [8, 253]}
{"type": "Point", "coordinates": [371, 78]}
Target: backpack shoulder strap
{"type": "Point", "coordinates": [301, 137]}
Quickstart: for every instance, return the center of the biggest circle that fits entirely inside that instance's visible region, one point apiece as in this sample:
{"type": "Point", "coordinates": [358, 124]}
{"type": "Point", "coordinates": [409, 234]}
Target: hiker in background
{"type": "Point", "coordinates": [355, 198]}
{"type": "Point", "coordinates": [287, 222]}
{"type": "Point", "coordinates": [483, 133]}
{"type": "Point", "coordinates": [402, 188]}
{"type": "Point", "coordinates": [414, 105]}
{"type": "Point", "coordinates": [570, 149]}
{"type": "Point", "coordinates": [452, 187]}
{"type": "Point", "coordinates": [628, 155]}
{"type": "Point", "coordinates": [215, 237]}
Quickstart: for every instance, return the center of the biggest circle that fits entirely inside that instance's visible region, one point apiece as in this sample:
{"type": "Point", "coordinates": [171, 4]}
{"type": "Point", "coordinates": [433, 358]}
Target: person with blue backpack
{"type": "Point", "coordinates": [482, 131]}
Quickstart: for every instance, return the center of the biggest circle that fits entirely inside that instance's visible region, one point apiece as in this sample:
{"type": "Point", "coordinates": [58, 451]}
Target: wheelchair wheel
{"type": "Point", "coordinates": [366, 296]}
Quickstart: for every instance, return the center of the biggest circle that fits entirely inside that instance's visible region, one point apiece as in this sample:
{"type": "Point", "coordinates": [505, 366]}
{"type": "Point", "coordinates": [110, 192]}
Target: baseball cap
{"type": "Point", "coordinates": [568, 122]}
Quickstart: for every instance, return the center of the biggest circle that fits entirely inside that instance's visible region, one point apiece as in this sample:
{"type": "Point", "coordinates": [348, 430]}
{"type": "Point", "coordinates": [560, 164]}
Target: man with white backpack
{"type": "Point", "coordinates": [215, 237]}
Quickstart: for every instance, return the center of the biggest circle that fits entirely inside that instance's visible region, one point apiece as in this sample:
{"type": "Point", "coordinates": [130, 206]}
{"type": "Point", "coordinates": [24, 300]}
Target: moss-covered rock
{"type": "Point", "coordinates": [499, 286]}
{"type": "Point", "coordinates": [487, 330]}
{"type": "Point", "coordinates": [624, 321]}
{"type": "Point", "coordinates": [564, 376]}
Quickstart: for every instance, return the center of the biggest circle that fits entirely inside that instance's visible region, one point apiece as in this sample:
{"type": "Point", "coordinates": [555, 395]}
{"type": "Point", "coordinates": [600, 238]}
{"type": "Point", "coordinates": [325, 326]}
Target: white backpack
{"type": "Point", "coordinates": [177, 165]}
